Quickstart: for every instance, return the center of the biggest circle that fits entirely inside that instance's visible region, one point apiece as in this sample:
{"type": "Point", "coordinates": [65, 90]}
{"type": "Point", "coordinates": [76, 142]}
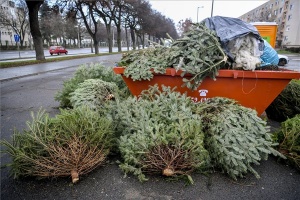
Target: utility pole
{"type": "Point", "coordinates": [92, 51]}
{"type": "Point", "coordinates": [78, 36]}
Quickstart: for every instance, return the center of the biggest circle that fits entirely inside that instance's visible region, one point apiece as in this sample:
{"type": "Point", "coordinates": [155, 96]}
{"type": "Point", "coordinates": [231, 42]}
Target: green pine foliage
{"type": "Point", "coordinates": [84, 72]}
{"type": "Point", "coordinates": [140, 64]}
{"type": "Point", "coordinates": [94, 93]}
{"type": "Point", "coordinates": [78, 139]}
{"type": "Point", "coordinates": [198, 53]}
{"type": "Point", "coordinates": [235, 136]}
{"type": "Point", "coordinates": [160, 123]}
{"type": "Point", "coordinates": [288, 137]}
{"type": "Point", "coordinates": [287, 103]}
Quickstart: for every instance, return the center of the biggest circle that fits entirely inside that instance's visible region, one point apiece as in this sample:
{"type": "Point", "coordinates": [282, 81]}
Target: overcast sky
{"type": "Point", "coordinates": [183, 9]}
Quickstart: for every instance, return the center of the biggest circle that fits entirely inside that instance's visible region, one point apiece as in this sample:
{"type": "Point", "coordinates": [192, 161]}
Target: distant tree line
{"type": "Point", "coordinates": [71, 20]}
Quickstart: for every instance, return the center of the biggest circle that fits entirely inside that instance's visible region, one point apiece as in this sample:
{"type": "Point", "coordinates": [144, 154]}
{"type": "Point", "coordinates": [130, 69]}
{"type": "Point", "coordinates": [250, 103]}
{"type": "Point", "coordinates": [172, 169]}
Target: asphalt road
{"type": "Point", "coordinates": [25, 54]}
{"type": "Point", "coordinates": [20, 96]}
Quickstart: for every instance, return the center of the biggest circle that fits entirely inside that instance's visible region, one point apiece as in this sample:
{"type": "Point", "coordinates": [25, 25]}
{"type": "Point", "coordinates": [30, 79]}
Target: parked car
{"type": "Point", "coordinates": [283, 60]}
{"type": "Point", "coordinates": [57, 50]}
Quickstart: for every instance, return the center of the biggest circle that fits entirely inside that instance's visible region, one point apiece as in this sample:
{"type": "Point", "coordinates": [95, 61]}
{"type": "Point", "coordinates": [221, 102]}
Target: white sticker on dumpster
{"type": "Point", "coordinates": [202, 94]}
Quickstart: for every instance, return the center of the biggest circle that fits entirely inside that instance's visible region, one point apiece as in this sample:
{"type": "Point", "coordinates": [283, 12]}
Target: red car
{"type": "Point", "coordinates": [57, 50]}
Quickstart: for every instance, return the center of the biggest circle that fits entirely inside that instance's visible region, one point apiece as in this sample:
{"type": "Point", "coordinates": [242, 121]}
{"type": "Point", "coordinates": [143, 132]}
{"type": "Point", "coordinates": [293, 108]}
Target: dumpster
{"type": "Point", "coordinates": [253, 89]}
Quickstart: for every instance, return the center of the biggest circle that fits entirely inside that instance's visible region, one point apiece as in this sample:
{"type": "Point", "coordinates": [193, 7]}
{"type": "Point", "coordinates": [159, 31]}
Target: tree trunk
{"type": "Point", "coordinates": [96, 44]}
{"type": "Point", "coordinates": [33, 7]}
{"type": "Point", "coordinates": [149, 39]}
{"type": "Point", "coordinates": [109, 38]}
{"type": "Point", "coordinates": [133, 38]}
{"type": "Point", "coordinates": [127, 40]}
{"type": "Point", "coordinates": [143, 40]}
{"type": "Point", "coordinates": [119, 39]}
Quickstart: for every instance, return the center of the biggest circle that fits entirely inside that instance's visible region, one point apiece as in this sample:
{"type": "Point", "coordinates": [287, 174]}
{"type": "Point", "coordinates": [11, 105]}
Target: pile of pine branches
{"type": "Point", "coordinates": [287, 103]}
{"type": "Point", "coordinates": [288, 137]}
{"type": "Point", "coordinates": [198, 53]}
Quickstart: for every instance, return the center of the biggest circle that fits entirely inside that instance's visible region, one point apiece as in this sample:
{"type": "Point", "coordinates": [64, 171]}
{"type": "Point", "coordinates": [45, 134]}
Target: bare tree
{"type": "Point", "coordinates": [58, 25]}
{"type": "Point", "coordinates": [105, 9]}
{"type": "Point", "coordinates": [131, 18]}
{"type": "Point", "coordinates": [18, 22]}
{"type": "Point", "coordinates": [135, 15]}
{"type": "Point", "coordinates": [85, 12]}
{"type": "Point", "coordinates": [164, 27]}
{"type": "Point", "coordinates": [46, 22]}
{"type": "Point", "coordinates": [145, 21]}
{"type": "Point", "coordinates": [72, 25]}
{"type": "Point", "coordinates": [33, 8]}
{"type": "Point", "coordinates": [120, 5]}
{"type": "Point", "coordinates": [184, 26]}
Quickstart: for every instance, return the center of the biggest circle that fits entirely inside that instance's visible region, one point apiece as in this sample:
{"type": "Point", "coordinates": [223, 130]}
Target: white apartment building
{"type": "Point", "coordinates": [286, 14]}
{"type": "Point", "coordinates": [9, 8]}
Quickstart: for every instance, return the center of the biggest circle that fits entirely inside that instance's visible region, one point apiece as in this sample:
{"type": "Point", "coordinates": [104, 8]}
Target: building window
{"type": "Point", "coordinates": [286, 38]}
{"type": "Point", "coordinates": [289, 17]}
{"type": "Point", "coordinates": [275, 12]}
{"type": "Point", "coordinates": [11, 4]}
{"type": "Point", "coordinates": [291, 7]}
{"type": "Point", "coordinates": [280, 10]}
{"type": "Point", "coordinates": [287, 28]}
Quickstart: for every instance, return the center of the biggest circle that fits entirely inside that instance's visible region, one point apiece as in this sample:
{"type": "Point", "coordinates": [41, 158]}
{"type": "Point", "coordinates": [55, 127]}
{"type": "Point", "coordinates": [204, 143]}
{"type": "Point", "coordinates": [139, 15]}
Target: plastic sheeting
{"type": "Point", "coordinates": [246, 53]}
{"type": "Point", "coordinates": [228, 29]}
{"type": "Point", "coordinates": [269, 56]}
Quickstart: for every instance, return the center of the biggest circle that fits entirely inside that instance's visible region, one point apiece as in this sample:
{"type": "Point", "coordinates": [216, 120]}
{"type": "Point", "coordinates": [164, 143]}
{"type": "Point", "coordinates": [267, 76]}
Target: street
{"type": "Point", "coordinates": [294, 63]}
{"type": "Point", "coordinates": [294, 59]}
{"type": "Point", "coordinates": [8, 55]}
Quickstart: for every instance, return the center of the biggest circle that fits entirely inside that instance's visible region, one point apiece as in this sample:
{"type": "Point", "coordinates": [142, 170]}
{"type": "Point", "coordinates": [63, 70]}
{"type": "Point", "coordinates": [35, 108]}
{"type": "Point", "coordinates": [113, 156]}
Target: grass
{"type": "Point", "coordinates": [54, 59]}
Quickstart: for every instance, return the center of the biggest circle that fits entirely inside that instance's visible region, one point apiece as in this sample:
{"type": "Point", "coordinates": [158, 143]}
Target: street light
{"type": "Point", "coordinates": [78, 36]}
{"type": "Point", "coordinates": [198, 11]}
{"type": "Point", "coordinates": [212, 8]}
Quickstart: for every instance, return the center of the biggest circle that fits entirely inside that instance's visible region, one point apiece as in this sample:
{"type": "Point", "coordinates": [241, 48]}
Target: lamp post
{"type": "Point", "coordinates": [198, 11]}
{"type": "Point", "coordinates": [113, 38]}
{"type": "Point", "coordinates": [78, 36]}
{"type": "Point", "coordinates": [212, 8]}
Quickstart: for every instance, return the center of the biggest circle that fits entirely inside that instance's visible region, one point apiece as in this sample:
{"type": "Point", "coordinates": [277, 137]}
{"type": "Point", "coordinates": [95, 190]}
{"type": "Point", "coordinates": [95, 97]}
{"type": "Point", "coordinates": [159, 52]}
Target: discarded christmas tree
{"type": "Point", "coordinates": [288, 137]}
{"type": "Point", "coordinates": [161, 135]}
{"type": "Point", "coordinates": [93, 93]}
{"type": "Point", "coordinates": [235, 137]}
{"type": "Point", "coordinates": [287, 103]}
{"type": "Point", "coordinates": [73, 143]}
